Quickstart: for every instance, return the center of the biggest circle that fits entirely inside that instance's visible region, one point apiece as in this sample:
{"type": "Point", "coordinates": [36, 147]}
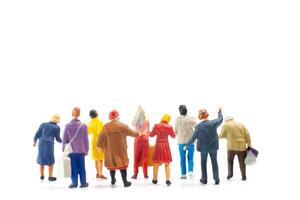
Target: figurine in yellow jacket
{"type": "Point", "coordinates": [94, 129]}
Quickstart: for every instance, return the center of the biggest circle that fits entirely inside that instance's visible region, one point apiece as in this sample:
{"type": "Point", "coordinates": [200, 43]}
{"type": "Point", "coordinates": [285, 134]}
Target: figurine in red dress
{"type": "Point", "coordinates": [162, 152]}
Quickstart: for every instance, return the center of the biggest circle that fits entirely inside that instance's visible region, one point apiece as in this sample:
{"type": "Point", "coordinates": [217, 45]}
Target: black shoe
{"type": "Point", "coordinates": [42, 177]}
{"type": "Point", "coordinates": [229, 177]}
{"type": "Point", "coordinates": [154, 181]}
{"type": "Point", "coordinates": [134, 176]}
{"type": "Point", "coordinates": [146, 176]}
{"type": "Point", "coordinates": [244, 178]}
{"type": "Point", "coordinates": [52, 179]}
{"type": "Point", "coordinates": [127, 184]}
{"type": "Point", "coordinates": [84, 186]}
{"type": "Point", "coordinates": [203, 181]}
{"type": "Point", "coordinates": [217, 182]}
{"type": "Point", "coordinates": [72, 186]}
{"type": "Point", "coordinates": [113, 181]}
{"type": "Point", "coordinates": [168, 183]}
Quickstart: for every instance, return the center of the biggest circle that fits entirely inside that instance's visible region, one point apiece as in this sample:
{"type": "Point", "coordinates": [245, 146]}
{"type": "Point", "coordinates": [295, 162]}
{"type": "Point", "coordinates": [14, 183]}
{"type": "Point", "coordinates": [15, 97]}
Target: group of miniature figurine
{"type": "Point", "coordinates": [108, 144]}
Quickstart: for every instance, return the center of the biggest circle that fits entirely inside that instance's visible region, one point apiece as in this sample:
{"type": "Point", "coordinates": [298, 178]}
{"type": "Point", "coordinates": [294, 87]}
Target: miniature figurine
{"type": "Point", "coordinates": [207, 143]}
{"type": "Point", "coordinates": [162, 152]}
{"type": "Point", "coordinates": [76, 133]}
{"type": "Point", "coordinates": [94, 128]}
{"type": "Point", "coordinates": [184, 125]}
{"type": "Point", "coordinates": [238, 140]}
{"type": "Point", "coordinates": [46, 134]}
{"type": "Point", "coordinates": [141, 144]}
{"type": "Point", "coordinates": [112, 140]}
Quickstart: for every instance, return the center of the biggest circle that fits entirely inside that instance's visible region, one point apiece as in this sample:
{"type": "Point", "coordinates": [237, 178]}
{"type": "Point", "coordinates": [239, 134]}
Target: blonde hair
{"type": "Point", "coordinates": [55, 118]}
{"type": "Point", "coordinates": [166, 118]}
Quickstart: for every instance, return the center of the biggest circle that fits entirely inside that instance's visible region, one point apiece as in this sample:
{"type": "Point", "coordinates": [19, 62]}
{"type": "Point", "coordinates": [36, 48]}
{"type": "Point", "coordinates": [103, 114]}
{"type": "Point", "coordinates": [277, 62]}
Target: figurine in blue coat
{"type": "Point", "coordinates": [46, 134]}
{"type": "Point", "coordinates": [207, 143]}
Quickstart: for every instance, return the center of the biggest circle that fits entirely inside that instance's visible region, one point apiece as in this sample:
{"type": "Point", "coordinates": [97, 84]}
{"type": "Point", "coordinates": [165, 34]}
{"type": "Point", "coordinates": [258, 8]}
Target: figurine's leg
{"type": "Point", "coordinates": [97, 165]}
{"type": "Point", "coordinates": [42, 167]}
{"type": "Point", "coordinates": [145, 158]}
{"type": "Point", "coordinates": [241, 157]}
{"type": "Point", "coordinates": [230, 158]}
{"type": "Point", "coordinates": [167, 170]}
{"type": "Point", "coordinates": [50, 170]}
{"type": "Point", "coordinates": [155, 171]}
{"type": "Point", "coordinates": [124, 178]}
{"type": "Point", "coordinates": [113, 176]}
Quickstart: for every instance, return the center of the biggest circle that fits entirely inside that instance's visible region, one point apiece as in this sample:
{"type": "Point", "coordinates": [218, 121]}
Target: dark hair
{"type": "Point", "coordinates": [93, 114]}
{"type": "Point", "coordinates": [182, 110]}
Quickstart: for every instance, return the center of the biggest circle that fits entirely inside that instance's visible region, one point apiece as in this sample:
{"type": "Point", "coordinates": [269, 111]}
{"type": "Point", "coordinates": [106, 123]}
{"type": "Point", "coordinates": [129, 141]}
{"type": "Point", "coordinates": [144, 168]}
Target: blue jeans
{"type": "Point", "coordinates": [214, 162]}
{"type": "Point", "coordinates": [78, 168]}
{"type": "Point", "coordinates": [190, 157]}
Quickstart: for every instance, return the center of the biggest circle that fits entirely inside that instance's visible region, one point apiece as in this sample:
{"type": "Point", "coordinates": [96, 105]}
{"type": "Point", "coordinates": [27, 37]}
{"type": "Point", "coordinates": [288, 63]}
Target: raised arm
{"type": "Point", "coordinates": [218, 122]}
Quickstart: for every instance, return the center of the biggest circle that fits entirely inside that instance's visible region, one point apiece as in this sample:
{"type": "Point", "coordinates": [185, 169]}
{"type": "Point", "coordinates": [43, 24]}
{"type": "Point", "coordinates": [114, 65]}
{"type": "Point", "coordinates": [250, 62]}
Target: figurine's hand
{"type": "Point", "coordinates": [220, 109]}
{"type": "Point", "coordinates": [34, 144]}
{"type": "Point", "coordinates": [184, 147]}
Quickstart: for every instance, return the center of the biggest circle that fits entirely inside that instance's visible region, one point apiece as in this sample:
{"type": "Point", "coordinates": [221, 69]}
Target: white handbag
{"type": "Point", "coordinates": [250, 158]}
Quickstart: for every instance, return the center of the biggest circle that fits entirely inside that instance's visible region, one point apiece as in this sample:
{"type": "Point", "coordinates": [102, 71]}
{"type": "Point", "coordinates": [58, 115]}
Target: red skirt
{"type": "Point", "coordinates": [162, 153]}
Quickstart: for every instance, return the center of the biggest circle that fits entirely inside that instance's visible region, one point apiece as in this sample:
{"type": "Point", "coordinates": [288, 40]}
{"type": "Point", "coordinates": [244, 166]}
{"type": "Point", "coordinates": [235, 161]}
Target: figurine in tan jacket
{"type": "Point", "coordinates": [238, 139]}
{"type": "Point", "coordinates": [113, 140]}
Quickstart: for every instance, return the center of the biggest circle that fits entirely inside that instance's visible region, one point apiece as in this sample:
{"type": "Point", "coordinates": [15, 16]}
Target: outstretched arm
{"type": "Point", "coordinates": [172, 133]}
{"type": "Point", "coordinates": [192, 139]}
{"type": "Point", "coordinates": [153, 132]}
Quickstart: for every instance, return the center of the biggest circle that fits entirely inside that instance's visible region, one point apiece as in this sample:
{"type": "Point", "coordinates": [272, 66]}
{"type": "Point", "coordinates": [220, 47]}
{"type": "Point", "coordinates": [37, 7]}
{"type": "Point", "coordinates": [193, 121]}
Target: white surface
{"type": "Point", "coordinates": [241, 55]}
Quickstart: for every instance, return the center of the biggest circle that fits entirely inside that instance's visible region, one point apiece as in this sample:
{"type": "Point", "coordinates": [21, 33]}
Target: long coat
{"type": "Point", "coordinates": [94, 129]}
{"type": "Point", "coordinates": [113, 140]}
{"type": "Point", "coordinates": [162, 152]}
{"type": "Point", "coordinates": [46, 134]}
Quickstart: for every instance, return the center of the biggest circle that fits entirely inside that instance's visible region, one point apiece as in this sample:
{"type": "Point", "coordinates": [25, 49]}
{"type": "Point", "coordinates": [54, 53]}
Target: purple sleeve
{"type": "Point", "coordinates": [86, 139]}
{"type": "Point", "coordinates": [65, 138]}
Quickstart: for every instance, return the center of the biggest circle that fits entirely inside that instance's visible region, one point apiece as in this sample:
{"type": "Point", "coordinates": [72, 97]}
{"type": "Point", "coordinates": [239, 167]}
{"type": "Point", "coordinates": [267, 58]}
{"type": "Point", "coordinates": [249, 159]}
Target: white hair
{"type": "Point", "coordinates": [228, 118]}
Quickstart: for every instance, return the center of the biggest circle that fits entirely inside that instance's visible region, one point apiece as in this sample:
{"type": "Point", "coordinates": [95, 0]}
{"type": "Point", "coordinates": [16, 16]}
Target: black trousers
{"type": "Point", "coordinates": [123, 174]}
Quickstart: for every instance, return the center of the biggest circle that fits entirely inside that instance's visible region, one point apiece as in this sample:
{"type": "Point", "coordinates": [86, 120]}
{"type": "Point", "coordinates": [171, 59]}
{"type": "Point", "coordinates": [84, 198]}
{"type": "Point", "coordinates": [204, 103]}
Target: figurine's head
{"type": "Point", "coordinates": [203, 114]}
{"type": "Point", "coordinates": [113, 115]}
{"type": "Point", "coordinates": [166, 118]}
{"type": "Point", "coordinates": [55, 118]}
{"type": "Point", "coordinates": [76, 112]}
{"type": "Point", "coordinates": [139, 114]}
{"type": "Point", "coordinates": [228, 118]}
{"type": "Point", "coordinates": [182, 110]}
{"type": "Point", "coordinates": [93, 114]}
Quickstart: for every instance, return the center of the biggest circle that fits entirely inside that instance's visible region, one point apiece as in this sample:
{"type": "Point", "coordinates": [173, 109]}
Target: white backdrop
{"type": "Point", "coordinates": [241, 55]}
